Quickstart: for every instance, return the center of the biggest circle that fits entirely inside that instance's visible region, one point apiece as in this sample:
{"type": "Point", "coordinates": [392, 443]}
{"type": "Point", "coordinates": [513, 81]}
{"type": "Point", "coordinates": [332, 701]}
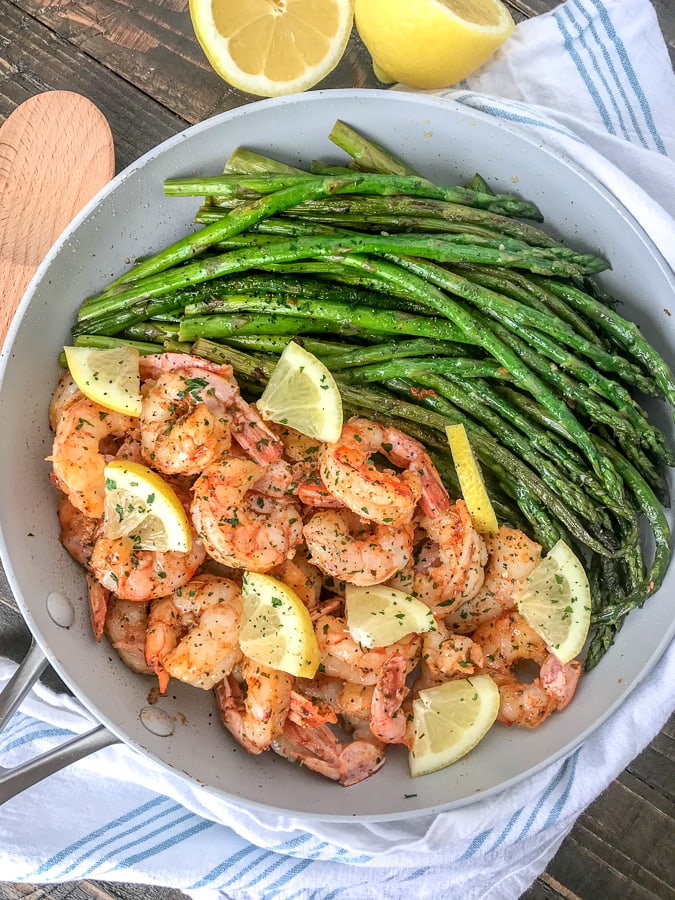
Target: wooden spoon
{"type": "Point", "coordinates": [56, 153]}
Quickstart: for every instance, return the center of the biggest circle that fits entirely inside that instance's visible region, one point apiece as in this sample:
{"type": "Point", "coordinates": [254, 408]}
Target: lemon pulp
{"type": "Point", "coordinates": [378, 616]}
{"type": "Point", "coordinates": [449, 720]}
{"type": "Point", "coordinates": [108, 377]}
{"type": "Point", "coordinates": [302, 394]}
{"type": "Point", "coordinates": [471, 481]}
{"type": "Point", "coordinates": [555, 599]}
{"type": "Point", "coordinates": [272, 47]}
{"type": "Point", "coordinates": [276, 628]}
{"type": "Point", "coordinates": [139, 504]}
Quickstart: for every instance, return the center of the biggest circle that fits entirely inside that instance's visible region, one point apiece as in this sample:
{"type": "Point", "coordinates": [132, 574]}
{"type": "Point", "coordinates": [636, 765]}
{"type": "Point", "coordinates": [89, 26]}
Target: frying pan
{"type": "Point", "coordinates": [131, 217]}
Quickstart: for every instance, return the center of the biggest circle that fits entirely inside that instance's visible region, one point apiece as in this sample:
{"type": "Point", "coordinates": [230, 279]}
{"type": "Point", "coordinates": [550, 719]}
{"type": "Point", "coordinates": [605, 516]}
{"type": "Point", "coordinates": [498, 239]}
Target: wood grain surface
{"type": "Point", "coordinates": [139, 62]}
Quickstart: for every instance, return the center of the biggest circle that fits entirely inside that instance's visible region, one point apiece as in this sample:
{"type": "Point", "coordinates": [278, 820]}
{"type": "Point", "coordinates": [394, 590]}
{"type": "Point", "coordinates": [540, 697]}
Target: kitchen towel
{"type": "Point", "coordinates": [593, 80]}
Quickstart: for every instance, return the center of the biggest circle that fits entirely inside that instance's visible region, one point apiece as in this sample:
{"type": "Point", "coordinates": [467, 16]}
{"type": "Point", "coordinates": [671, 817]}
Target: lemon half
{"type": "Point", "coordinates": [108, 377]}
{"type": "Point", "coordinates": [431, 43]}
{"type": "Point", "coordinates": [303, 394]}
{"type": "Point", "coordinates": [276, 629]}
{"type": "Point", "coordinates": [449, 720]}
{"type": "Point", "coordinates": [139, 504]}
{"type": "Point", "coordinates": [272, 47]}
{"type": "Point", "coordinates": [378, 616]}
{"type": "Point", "coordinates": [555, 599]}
{"type": "Point", "coordinates": [471, 481]}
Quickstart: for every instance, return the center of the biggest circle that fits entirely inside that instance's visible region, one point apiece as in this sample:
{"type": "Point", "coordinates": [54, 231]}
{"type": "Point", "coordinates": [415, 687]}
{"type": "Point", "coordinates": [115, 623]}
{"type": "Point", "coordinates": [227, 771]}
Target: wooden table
{"type": "Point", "coordinates": [141, 65]}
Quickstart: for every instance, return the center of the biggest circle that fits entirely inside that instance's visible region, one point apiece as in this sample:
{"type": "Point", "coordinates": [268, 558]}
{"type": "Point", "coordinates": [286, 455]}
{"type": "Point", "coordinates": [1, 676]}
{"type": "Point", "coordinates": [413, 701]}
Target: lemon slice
{"type": "Point", "coordinates": [556, 601]}
{"type": "Point", "coordinates": [142, 506]}
{"type": "Point", "coordinates": [108, 377]}
{"type": "Point", "coordinates": [276, 629]}
{"type": "Point", "coordinates": [272, 47]}
{"type": "Point", "coordinates": [431, 43]}
{"type": "Point", "coordinates": [378, 616]}
{"type": "Point", "coordinates": [471, 481]}
{"type": "Point", "coordinates": [449, 720]}
{"type": "Point", "coordinates": [303, 394]}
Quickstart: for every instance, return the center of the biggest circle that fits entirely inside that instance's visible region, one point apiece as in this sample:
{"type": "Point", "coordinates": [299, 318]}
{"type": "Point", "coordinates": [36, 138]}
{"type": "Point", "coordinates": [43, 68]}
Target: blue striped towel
{"type": "Point", "coordinates": [593, 80]}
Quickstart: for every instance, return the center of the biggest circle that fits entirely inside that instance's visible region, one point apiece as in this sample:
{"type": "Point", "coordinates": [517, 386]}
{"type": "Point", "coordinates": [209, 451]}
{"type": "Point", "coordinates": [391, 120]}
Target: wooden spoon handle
{"type": "Point", "coordinates": [56, 153]}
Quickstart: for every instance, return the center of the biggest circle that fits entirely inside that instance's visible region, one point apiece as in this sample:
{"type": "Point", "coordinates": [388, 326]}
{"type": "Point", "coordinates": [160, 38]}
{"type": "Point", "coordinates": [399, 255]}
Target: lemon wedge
{"type": "Point", "coordinates": [555, 599]}
{"type": "Point", "coordinates": [303, 394]}
{"type": "Point", "coordinates": [471, 481]}
{"type": "Point", "coordinates": [449, 720]}
{"type": "Point", "coordinates": [272, 47]}
{"type": "Point", "coordinates": [431, 43]}
{"type": "Point", "coordinates": [276, 629]}
{"type": "Point", "coordinates": [108, 377]}
{"type": "Point", "coordinates": [378, 616]}
{"type": "Point", "coordinates": [142, 506]}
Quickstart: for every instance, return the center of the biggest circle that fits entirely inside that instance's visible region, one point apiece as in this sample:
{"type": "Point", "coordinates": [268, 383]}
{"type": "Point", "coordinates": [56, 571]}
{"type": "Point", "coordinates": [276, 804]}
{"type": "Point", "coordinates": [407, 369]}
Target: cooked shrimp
{"type": "Point", "coordinates": [446, 656]}
{"type": "Point", "coordinates": [184, 426]}
{"type": "Point", "coordinates": [450, 568]}
{"type": "Point", "coordinates": [305, 711]}
{"type": "Point", "coordinates": [241, 528]}
{"type": "Point", "coordinates": [320, 750]}
{"type": "Point", "coordinates": [387, 497]}
{"type": "Point", "coordinates": [66, 391]}
{"type": "Point", "coordinates": [125, 628]}
{"type": "Point", "coordinates": [98, 605]}
{"type": "Point", "coordinates": [302, 577]}
{"type": "Point", "coordinates": [257, 717]}
{"type": "Point", "coordinates": [193, 635]}
{"type": "Point", "coordinates": [78, 458]}
{"type": "Point", "coordinates": [213, 405]}
{"type": "Point", "coordinates": [344, 698]}
{"type": "Point", "coordinates": [389, 721]}
{"type": "Point", "coordinates": [511, 558]}
{"type": "Point", "coordinates": [507, 640]}
{"type": "Point", "coordinates": [78, 532]}
{"type": "Point", "coordinates": [342, 657]}
{"type": "Point", "coordinates": [135, 574]}
{"type": "Point", "coordinates": [363, 553]}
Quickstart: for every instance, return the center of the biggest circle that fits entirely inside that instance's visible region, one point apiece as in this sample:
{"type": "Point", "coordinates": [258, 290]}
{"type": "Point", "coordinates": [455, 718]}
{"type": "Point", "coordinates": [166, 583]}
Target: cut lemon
{"type": "Point", "coordinates": [108, 377]}
{"type": "Point", "coordinates": [431, 43]}
{"type": "Point", "coordinates": [449, 720]}
{"type": "Point", "coordinates": [272, 47]}
{"type": "Point", "coordinates": [303, 394]}
{"type": "Point", "coordinates": [556, 601]}
{"type": "Point", "coordinates": [379, 615]}
{"type": "Point", "coordinates": [471, 481]}
{"type": "Point", "coordinates": [140, 505]}
{"type": "Point", "coordinates": [276, 629]}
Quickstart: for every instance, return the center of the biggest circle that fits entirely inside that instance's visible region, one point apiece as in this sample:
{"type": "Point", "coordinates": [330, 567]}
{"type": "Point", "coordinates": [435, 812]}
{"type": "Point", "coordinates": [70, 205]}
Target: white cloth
{"type": "Point", "coordinates": [594, 81]}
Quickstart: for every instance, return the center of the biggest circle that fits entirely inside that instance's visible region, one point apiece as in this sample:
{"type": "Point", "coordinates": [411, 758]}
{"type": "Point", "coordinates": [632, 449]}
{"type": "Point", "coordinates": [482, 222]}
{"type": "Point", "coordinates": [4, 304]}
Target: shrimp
{"type": "Point", "coordinates": [304, 578]}
{"type": "Point", "coordinates": [507, 640]}
{"type": "Point", "coordinates": [389, 722]}
{"type": "Point", "coordinates": [194, 393]}
{"type": "Point", "coordinates": [320, 750]}
{"type": "Point", "coordinates": [66, 392]}
{"type": "Point", "coordinates": [450, 568]}
{"type": "Point", "coordinates": [125, 628]}
{"type": "Point", "coordinates": [135, 574]}
{"type": "Point", "coordinates": [78, 458]}
{"type": "Point", "coordinates": [343, 546]}
{"type": "Point", "coordinates": [342, 657]}
{"type": "Point", "coordinates": [193, 635]}
{"type": "Point", "coordinates": [511, 558]}
{"type": "Point", "coordinates": [257, 717]}
{"type": "Point", "coordinates": [78, 532]}
{"type": "Point", "coordinates": [446, 656]}
{"type": "Point", "coordinates": [344, 698]}
{"type": "Point", "coordinates": [386, 497]}
{"type": "Point", "coordinates": [241, 528]}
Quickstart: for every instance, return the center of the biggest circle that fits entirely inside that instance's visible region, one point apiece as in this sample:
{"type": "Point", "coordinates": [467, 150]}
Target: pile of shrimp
{"type": "Point", "coordinates": [368, 509]}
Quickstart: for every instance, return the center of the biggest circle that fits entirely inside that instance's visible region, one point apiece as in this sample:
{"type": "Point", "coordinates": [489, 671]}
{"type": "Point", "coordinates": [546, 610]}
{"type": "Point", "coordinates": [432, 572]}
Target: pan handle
{"type": "Point", "coordinates": [14, 781]}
